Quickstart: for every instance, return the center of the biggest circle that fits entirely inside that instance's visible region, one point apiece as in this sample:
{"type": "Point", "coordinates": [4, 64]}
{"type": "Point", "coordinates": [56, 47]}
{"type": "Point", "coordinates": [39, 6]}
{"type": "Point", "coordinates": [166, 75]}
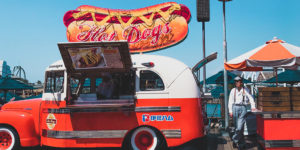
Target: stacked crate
{"type": "Point", "coordinates": [295, 97]}
{"type": "Point", "coordinates": [279, 99]}
{"type": "Point", "coordinates": [274, 99]}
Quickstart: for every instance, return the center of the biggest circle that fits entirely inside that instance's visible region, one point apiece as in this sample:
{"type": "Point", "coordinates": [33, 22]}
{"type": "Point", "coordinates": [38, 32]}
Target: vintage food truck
{"type": "Point", "coordinates": [101, 96]}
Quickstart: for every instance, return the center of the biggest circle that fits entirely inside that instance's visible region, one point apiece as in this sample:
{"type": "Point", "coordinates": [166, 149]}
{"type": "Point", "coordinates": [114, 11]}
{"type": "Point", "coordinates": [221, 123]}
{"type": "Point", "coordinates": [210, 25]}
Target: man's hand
{"type": "Point", "coordinates": [254, 110]}
{"type": "Point", "coordinates": [230, 114]}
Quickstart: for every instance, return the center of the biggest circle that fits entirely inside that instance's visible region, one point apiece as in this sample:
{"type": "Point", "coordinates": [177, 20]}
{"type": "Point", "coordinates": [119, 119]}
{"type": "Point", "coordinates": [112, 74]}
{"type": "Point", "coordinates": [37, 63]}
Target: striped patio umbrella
{"type": "Point", "coordinates": [275, 53]}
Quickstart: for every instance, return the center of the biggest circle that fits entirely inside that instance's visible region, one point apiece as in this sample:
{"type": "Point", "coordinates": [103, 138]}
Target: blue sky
{"type": "Point", "coordinates": [30, 30]}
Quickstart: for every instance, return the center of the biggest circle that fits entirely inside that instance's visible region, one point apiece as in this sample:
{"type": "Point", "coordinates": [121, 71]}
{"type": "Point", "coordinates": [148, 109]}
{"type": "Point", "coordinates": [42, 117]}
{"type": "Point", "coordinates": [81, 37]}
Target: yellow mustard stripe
{"type": "Point", "coordinates": [148, 22]}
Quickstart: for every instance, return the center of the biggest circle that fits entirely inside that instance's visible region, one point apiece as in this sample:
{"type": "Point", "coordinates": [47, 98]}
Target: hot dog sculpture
{"type": "Point", "coordinates": [146, 29]}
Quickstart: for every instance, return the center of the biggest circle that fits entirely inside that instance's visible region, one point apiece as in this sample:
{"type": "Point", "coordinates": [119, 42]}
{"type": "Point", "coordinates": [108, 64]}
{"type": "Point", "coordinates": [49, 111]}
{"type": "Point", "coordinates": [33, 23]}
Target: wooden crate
{"type": "Point", "coordinates": [296, 108]}
{"type": "Point", "coordinates": [273, 89]}
{"type": "Point", "coordinates": [279, 99]}
{"type": "Point", "coordinates": [281, 109]}
{"type": "Point", "coordinates": [274, 99]}
{"type": "Point", "coordinates": [295, 98]}
{"type": "Point", "coordinates": [296, 103]}
{"type": "Point", "coordinates": [295, 93]}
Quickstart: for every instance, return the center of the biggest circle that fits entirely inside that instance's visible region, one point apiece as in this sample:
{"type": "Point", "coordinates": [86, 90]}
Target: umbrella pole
{"type": "Point", "coordinates": [275, 69]}
{"type": "Point", "coordinates": [204, 67]}
{"type": "Point", "coordinates": [225, 71]}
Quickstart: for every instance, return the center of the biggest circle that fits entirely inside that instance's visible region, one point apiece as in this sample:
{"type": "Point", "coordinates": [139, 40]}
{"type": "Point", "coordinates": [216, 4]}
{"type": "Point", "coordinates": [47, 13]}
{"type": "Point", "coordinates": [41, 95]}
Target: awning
{"type": "Point", "coordinates": [288, 76]}
{"type": "Point", "coordinates": [218, 78]}
{"type": "Point", "coordinates": [12, 84]}
{"type": "Point", "coordinates": [275, 53]}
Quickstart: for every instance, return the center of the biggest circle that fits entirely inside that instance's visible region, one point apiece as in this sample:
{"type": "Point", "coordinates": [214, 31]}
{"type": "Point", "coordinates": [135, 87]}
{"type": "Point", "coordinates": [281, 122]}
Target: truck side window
{"type": "Point", "coordinates": [150, 81]}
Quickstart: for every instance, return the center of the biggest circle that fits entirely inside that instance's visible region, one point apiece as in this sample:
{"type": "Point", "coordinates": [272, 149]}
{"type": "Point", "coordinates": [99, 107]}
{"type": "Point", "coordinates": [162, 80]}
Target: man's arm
{"type": "Point", "coordinates": [251, 99]}
{"type": "Point", "coordinates": [230, 101]}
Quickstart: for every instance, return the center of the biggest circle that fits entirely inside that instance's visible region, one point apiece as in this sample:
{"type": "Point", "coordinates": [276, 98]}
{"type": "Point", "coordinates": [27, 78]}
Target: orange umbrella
{"type": "Point", "coordinates": [275, 53]}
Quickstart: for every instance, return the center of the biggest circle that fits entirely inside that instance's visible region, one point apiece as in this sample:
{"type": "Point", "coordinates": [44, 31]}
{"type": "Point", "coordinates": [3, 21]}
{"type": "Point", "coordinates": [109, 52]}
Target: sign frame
{"type": "Point", "coordinates": [121, 45]}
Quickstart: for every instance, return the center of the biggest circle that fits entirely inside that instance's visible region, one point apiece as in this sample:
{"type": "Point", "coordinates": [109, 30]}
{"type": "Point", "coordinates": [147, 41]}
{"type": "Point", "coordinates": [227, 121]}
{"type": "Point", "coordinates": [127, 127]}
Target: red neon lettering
{"type": "Point", "coordinates": [95, 34]}
{"type": "Point", "coordinates": [156, 32]}
{"type": "Point", "coordinates": [99, 35]}
{"type": "Point", "coordinates": [84, 36]}
{"type": "Point", "coordinates": [132, 31]}
{"type": "Point", "coordinates": [166, 29]}
{"type": "Point", "coordinates": [103, 37]}
{"type": "Point", "coordinates": [132, 34]}
{"type": "Point", "coordinates": [112, 36]}
{"type": "Point", "coordinates": [146, 34]}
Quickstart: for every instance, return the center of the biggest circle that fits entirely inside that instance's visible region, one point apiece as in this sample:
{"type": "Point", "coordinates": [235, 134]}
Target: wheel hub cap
{"type": "Point", "coordinates": [5, 140]}
{"type": "Point", "coordinates": [144, 140]}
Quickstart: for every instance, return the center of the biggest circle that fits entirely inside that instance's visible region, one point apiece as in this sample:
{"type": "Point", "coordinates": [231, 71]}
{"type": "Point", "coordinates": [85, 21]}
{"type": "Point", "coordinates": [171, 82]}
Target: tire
{"type": "Point", "coordinates": [9, 139]}
{"type": "Point", "coordinates": [145, 138]}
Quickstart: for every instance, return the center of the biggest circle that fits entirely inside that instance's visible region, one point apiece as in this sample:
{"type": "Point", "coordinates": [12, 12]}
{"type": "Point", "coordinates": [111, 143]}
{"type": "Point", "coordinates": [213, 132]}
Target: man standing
{"type": "Point", "coordinates": [105, 89]}
{"type": "Point", "coordinates": [238, 99]}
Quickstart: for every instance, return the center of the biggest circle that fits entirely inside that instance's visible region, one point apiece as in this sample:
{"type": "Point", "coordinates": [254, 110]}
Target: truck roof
{"type": "Point", "coordinates": [168, 68]}
{"type": "Point", "coordinates": [58, 65]}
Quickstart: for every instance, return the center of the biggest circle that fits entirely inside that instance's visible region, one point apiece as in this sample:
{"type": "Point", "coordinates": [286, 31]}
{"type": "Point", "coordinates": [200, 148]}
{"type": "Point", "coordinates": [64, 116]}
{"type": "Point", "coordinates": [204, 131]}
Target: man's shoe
{"type": "Point", "coordinates": [241, 146]}
{"type": "Point", "coordinates": [234, 145]}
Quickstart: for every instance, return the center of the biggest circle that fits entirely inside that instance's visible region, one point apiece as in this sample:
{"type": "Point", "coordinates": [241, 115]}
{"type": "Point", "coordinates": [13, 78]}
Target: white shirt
{"type": "Point", "coordinates": [244, 92]}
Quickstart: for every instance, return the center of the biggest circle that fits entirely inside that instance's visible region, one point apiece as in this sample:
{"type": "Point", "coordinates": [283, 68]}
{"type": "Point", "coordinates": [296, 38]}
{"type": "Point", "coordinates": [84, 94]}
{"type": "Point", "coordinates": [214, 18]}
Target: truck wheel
{"type": "Point", "coordinates": [145, 138]}
{"type": "Point", "coordinates": [9, 139]}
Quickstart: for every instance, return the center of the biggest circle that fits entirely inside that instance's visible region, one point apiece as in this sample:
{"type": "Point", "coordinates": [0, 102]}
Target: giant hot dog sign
{"type": "Point", "coordinates": [145, 29]}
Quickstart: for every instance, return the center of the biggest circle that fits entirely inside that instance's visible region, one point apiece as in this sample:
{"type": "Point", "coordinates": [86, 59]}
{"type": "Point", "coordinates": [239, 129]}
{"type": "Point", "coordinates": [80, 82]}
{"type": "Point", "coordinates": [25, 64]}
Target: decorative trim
{"type": "Point", "coordinates": [175, 133]}
{"type": "Point", "coordinates": [284, 115]}
{"type": "Point", "coordinates": [86, 134]}
{"type": "Point", "coordinates": [158, 109]}
{"type": "Point", "coordinates": [172, 133]}
{"type": "Point", "coordinates": [278, 143]}
{"type": "Point", "coordinates": [114, 109]}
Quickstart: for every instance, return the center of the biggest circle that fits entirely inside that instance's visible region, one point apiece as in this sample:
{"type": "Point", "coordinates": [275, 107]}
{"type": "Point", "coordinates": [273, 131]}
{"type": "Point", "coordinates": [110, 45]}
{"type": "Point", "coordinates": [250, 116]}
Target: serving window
{"type": "Point", "coordinates": [102, 88]}
{"type": "Point", "coordinates": [99, 73]}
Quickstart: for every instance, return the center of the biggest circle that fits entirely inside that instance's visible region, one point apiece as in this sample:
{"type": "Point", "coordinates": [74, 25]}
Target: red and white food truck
{"type": "Point", "coordinates": [153, 102]}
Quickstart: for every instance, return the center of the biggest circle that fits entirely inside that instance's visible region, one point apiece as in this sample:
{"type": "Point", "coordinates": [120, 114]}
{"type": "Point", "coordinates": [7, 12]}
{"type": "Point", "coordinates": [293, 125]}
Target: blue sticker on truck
{"type": "Point", "coordinates": [148, 118]}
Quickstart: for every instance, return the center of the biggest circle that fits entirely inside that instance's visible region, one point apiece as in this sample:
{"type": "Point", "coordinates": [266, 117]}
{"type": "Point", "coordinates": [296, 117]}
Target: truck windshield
{"type": "Point", "coordinates": [54, 82]}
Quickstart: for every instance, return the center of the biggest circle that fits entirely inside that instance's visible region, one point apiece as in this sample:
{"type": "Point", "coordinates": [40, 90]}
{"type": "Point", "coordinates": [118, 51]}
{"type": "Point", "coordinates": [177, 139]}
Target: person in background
{"type": "Point", "coordinates": [2, 101]}
{"type": "Point", "coordinates": [238, 99]}
{"type": "Point", "coordinates": [105, 89]}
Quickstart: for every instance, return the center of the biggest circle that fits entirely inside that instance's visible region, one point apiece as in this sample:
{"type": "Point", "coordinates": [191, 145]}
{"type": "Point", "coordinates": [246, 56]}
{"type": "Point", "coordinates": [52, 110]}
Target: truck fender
{"type": "Point", "coordinates": [23, 123]}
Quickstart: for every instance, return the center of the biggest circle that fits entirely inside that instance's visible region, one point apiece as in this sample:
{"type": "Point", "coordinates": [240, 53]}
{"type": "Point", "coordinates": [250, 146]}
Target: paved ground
{"type": "Point", "coordinates": [220, 140]}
